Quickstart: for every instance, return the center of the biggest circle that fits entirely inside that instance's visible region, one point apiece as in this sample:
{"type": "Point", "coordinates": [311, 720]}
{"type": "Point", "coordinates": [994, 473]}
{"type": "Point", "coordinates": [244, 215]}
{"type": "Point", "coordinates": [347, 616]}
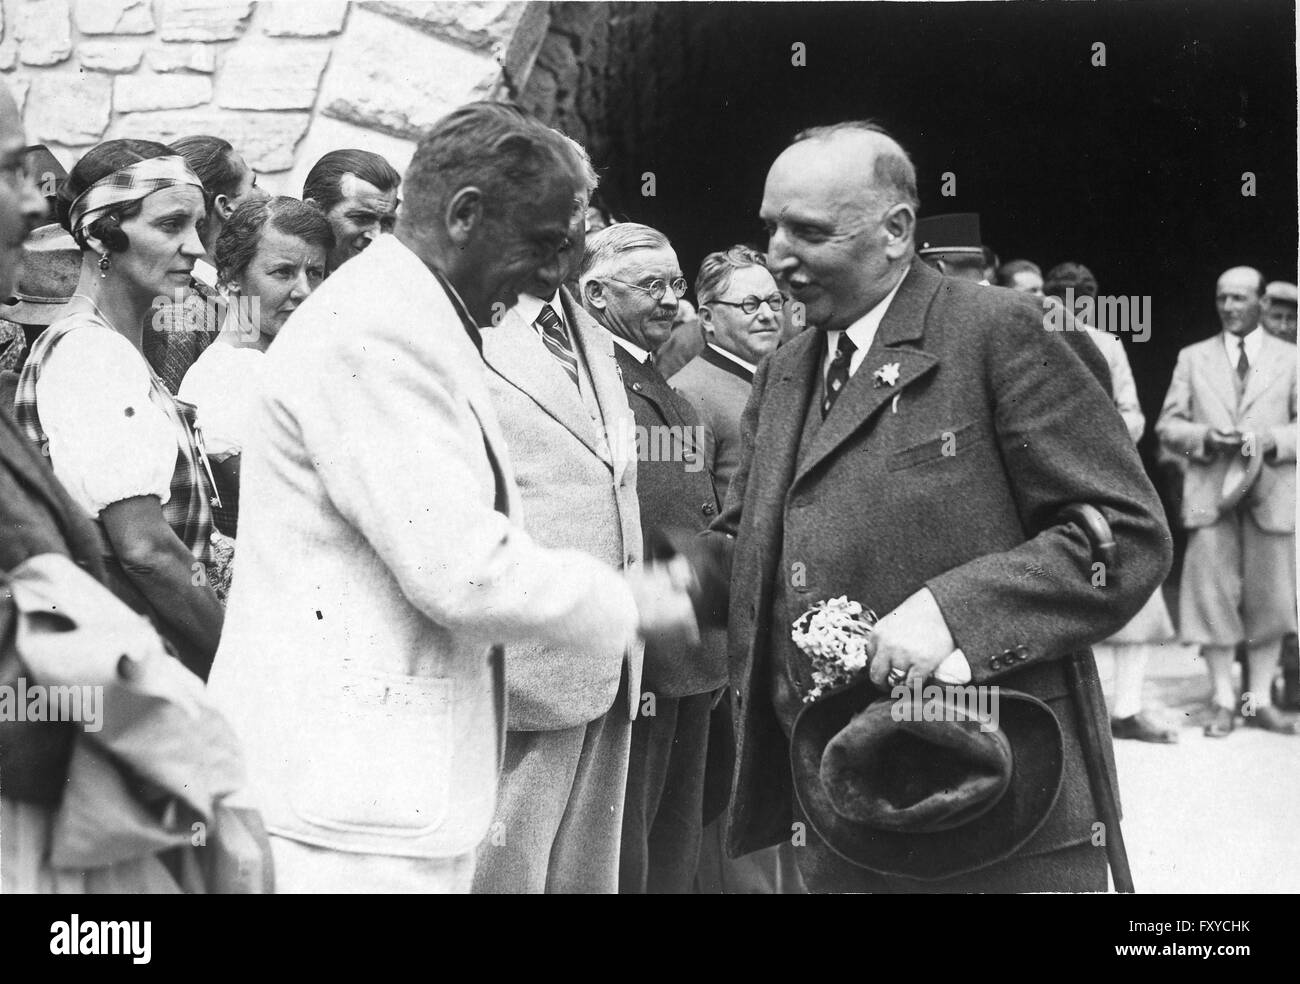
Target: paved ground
{"type": "Point", "coordinates": [1207, 815]}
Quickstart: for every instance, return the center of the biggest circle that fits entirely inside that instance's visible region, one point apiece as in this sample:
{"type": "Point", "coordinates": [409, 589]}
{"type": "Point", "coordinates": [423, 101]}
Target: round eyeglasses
{"type": "Point", "coordinates": [751, 304]}
{"type": "Point", "coordinates": [657, 287]}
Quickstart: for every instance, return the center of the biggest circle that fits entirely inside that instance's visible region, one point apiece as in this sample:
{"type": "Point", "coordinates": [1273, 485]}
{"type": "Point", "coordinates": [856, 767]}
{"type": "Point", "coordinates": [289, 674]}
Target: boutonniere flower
{"type": "Point", "coordinates": [886, 375]}
{"type": "Point", "coordinates": [833, 635]}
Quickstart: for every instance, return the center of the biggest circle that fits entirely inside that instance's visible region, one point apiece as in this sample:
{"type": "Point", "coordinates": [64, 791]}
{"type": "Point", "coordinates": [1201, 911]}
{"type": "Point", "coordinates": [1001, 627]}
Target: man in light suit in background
{"type": "Point", "coordinates": [382, 562]}
{"type": "Point", "coordinates": [556, 390]}
{"type": "Point", "coordinates": [1231, 412]}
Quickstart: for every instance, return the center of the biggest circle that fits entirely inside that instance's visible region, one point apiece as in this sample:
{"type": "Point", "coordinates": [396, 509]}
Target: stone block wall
{"type": "Point", "coordinates": [283, 81]}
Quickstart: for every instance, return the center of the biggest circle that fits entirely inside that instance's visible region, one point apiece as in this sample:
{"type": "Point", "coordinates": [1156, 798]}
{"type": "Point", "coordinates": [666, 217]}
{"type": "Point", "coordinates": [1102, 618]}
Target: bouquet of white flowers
{"type": "Point", "coordinates": [833, 635]}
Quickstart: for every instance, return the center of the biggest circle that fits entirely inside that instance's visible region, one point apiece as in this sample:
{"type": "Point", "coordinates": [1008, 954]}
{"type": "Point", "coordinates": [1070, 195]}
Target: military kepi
{"type": "Point", "coordinates": [953, 232]}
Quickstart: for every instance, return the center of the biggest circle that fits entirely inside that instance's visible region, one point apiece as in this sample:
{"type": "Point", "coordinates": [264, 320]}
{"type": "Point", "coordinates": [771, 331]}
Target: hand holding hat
{"type": "Point", "coordinates": [913, 642]}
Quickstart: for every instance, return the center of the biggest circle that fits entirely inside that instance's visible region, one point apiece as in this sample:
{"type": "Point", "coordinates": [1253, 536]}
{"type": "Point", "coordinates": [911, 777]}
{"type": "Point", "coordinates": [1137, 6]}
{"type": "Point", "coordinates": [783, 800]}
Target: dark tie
{"type": "Point", "coordinates": [838, 374]}
{"type": "Point", "coordinates": [1243, 363]}
{"type": "Point", "coordinates": [557, 341]}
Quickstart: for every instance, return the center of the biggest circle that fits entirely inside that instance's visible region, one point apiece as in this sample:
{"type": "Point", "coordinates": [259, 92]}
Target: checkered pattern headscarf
{"type": "Point", "coordinates": [128, 184]}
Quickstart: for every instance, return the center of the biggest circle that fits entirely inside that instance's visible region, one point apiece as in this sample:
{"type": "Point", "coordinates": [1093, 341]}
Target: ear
{"type": "Point", "coordinates": [706, 318]}
{"type": "Point", "coordinates": [96, 245]}
{"type": "Point", "coordinates": [899, 223]}
{"type": "Point", "coordinates": [464, 216]}
{"type": "Point", "coordinates": [222, 207]}
{"type": "Point", "coordinates": [593, 295]}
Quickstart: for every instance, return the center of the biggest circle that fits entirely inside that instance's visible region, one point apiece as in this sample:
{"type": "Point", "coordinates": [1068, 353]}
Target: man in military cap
{"type": "Point", "coordinates": [951, 244]}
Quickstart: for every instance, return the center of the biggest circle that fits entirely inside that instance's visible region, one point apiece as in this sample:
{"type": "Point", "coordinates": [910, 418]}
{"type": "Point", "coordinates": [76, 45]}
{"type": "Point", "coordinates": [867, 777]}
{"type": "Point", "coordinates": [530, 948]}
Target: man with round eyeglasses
{"type": "Point", "coordinates": [740, 313]}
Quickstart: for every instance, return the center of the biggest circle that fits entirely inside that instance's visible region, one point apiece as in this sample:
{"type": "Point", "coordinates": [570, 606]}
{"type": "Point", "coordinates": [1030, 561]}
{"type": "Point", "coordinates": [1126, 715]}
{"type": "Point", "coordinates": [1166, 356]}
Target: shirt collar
{"type": "Point", "coordinates": [748, 366]}
{"type": "Point", "coordinates": [204, 272]}
{"type": "Point", "coordinates": [863, 331]}
{"type": "Point", "coordinates": [529, 308]}
{"type": "Point", "coordinates": [636, 351]}
{"type": "Point", "coordinates": [1253, 339]}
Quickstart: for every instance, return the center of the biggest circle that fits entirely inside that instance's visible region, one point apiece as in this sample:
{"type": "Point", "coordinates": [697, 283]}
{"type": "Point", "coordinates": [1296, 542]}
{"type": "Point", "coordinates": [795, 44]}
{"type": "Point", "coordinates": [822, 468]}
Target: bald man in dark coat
{"type": "Point", "coordinates": [919, 468]}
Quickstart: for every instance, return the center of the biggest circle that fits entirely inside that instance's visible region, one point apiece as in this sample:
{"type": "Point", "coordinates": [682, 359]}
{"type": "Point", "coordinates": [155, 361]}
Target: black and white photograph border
{"type": "Point", "coordinates": [1130, 168]}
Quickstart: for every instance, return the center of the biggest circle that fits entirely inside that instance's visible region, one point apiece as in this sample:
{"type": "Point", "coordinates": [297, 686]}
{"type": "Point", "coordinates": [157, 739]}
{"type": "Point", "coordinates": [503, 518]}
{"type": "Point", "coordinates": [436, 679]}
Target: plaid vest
{"type": "Point", "coordinates": [189, 510]}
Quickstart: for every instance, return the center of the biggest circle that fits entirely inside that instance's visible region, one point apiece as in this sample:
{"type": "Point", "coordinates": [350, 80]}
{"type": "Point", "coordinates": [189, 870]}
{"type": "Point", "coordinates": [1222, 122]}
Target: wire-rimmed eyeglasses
{"type": "Point", "coordinates": [657, 287]}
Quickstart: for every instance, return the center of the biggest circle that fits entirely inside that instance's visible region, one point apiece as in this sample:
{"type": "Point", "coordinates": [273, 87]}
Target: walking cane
{"type": "Point", "coordinates": [1102, 540]}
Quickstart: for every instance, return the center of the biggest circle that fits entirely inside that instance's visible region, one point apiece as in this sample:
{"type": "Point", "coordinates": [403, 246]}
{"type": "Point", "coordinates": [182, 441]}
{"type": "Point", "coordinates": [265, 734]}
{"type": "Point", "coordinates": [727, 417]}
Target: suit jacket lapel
{"type": "Point", "coordinates": [903, 325]}
{"type": "Point", "coordinates": [597, 347]}
{"type": "Point", "coordinates": [1269, 366]}
{"type": "Point", "coordinates": [794, 380]}
{"type": "Point", "coordinates": [1221, 374]}
{"type": "Point", "coordinates": [649, 383]}
{"type": "Point", "coordinates": [517, 354]}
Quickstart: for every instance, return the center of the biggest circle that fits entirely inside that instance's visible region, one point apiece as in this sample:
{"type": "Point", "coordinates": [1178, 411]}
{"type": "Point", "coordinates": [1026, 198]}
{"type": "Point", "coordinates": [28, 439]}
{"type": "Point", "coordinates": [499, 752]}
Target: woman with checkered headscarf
{"type": "Point", "coordinates": [127, 450]}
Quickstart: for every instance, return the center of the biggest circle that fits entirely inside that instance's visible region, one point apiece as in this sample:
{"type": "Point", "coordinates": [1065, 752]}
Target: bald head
{"type": "Point", "coordinates": [1244, 277]}
{"type": "Point", "coordinates": [840, 207]}
{"type": "Point", "coordinates": [1237, 299]}
{"type": "Point", "coordinates": [869, 154]}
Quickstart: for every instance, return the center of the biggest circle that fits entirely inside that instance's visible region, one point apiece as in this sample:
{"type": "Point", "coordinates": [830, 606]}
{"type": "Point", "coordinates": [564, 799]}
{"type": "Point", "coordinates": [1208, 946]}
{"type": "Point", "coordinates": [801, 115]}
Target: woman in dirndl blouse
{"type": "Point", "coordinates": [123, 446]}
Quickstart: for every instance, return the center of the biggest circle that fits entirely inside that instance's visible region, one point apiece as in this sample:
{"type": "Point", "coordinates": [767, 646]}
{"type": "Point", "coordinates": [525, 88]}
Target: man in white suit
{"type": "Point", "coordinates": [1231, 411]}
{"type": "Point", "coordinates": [558, 396]}
{"type": "Point", "coordinates": [381, 561]}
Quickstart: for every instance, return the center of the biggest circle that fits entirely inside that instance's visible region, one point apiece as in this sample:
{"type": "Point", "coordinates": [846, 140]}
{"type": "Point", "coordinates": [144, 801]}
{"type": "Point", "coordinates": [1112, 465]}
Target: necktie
{"type": "Point", "coordinates": [838, 374]}
{"type": "Point", "coordinates": [1243, 364]}
{"type": "Point", "coordinates": [557, 341]}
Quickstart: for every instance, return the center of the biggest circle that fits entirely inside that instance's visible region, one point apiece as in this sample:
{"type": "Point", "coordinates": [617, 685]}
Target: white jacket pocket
{"type": "Point", "coordinates": [375, 754]}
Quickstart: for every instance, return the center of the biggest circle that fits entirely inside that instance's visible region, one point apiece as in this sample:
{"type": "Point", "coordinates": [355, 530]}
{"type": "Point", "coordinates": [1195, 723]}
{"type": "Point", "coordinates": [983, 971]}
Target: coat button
{"type": "Point", "coordinates": [709, 508]}
{"type": "Point", "coordinates": [1022, 652]}
{"type": "Point", "coordinates": [636, 387]}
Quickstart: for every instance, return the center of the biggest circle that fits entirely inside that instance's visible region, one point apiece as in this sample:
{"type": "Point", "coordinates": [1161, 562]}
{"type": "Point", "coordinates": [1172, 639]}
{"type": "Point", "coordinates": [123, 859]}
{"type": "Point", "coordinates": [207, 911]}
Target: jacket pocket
{"type": "Point", "coordinates": [375, 755]}
{"type": "Point", "coordinates": [947, 444]}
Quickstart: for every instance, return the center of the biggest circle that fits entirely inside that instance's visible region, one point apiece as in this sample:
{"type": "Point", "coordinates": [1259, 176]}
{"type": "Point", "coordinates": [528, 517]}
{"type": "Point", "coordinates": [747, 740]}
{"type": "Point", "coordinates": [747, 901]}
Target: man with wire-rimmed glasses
{"type": "Point", "coordinates": [632, 284]}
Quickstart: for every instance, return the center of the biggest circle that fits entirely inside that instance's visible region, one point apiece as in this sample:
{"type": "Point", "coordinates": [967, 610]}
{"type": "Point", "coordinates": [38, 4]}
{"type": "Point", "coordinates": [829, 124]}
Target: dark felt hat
{"type": "Point", "coordinates": [954, 232]}
{"type": "Point", "coordinates": [925, 799]}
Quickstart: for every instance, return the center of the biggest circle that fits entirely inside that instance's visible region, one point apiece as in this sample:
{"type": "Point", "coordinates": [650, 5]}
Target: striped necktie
{"type": "Point", "coordinates": [557, 341]}
{"type": "Point", "coordinates": [838, 374]}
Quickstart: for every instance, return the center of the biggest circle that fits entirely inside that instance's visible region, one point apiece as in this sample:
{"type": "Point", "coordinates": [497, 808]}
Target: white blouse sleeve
{"type": "Point", "coordinates": [107, 440]}
{"type": "Point", "coordinates": [222, 386]}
